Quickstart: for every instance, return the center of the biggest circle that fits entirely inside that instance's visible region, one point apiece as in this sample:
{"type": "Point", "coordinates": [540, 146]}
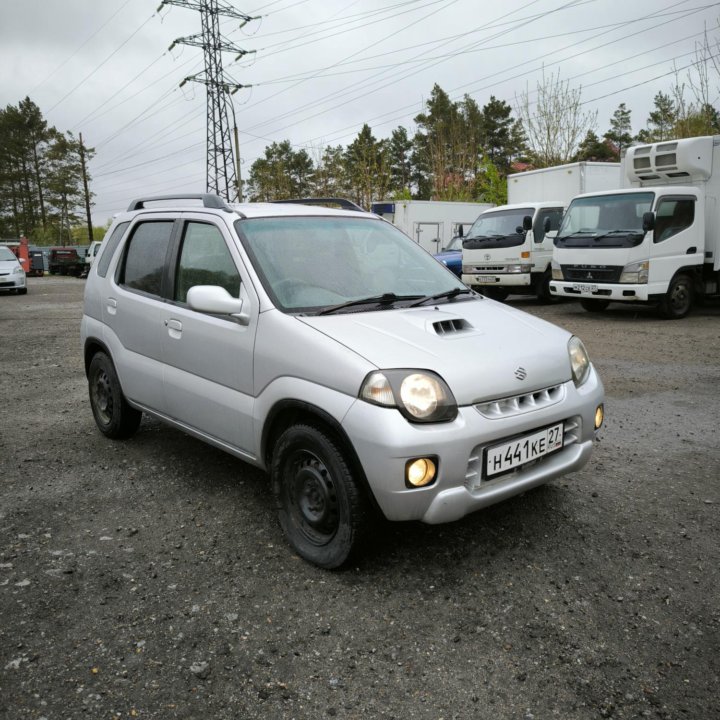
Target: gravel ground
{"type": "Point", "coordinates": [149, 578]}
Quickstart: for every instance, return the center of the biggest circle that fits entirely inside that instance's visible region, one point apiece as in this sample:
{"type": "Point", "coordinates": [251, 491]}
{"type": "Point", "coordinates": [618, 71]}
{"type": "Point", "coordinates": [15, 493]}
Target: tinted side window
{"type": "Point", "coordinates": [145, 257]}
{"type": "Point", "coordinates": [672, 216]}
{"type": "Point", "coordinates": [109, 248]}
{"type": "Point", "coordinates": [205, 260]}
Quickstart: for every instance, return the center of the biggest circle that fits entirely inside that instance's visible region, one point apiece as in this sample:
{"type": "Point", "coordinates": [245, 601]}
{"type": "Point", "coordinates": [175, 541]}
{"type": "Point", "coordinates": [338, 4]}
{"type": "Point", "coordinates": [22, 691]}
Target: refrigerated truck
{"type": "Point", "coordinates": [431, 223]}
{"type": "Point", "coordinates": [509, 248]}
{"type": "Point", "coordinates": [656, 241]}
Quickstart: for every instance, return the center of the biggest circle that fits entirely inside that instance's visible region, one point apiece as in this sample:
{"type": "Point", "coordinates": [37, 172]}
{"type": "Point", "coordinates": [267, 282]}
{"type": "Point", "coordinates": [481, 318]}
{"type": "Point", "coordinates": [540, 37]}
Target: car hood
{"type": "Point", "coordinates": [8, 265]}
{"type": "Point", "coordinates": [482, 349]}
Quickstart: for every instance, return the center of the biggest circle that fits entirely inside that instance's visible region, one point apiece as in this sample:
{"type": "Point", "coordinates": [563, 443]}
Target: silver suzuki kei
{"type": "Point", "coordinates": [327, 348]}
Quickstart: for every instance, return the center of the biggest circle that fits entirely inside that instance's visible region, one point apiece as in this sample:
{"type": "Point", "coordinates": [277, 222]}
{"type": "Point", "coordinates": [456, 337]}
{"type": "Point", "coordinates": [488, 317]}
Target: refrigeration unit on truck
{"type": "Point", "coordinates": [431, 223]}
{"type": "Point", "coordinates": [509, 248]}
{"type": "Point", "coordinates": [656, 241]}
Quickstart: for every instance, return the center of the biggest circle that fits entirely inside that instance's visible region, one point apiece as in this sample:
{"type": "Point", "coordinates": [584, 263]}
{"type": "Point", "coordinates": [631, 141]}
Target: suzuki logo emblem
{"type": "Point", "coordinates": [521, 373]}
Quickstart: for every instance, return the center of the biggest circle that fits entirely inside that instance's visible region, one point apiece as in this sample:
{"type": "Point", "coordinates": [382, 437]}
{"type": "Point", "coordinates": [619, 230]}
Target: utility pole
{"type": "Point", "coordinates": [86, 189]}
{"type": "Point", "coordinates": [221, 177]}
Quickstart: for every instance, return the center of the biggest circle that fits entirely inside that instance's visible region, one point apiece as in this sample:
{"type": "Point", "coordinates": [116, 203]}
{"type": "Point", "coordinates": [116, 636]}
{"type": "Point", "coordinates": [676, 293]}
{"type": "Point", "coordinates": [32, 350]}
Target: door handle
{"type": "Point", "coordinates": [174, 328]}
{"type": "Point", "coordinates": [691, 251]}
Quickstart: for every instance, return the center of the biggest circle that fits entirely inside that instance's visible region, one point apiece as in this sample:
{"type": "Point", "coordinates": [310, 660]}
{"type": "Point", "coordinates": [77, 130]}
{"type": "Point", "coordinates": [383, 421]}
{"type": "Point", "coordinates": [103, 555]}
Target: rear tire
{"type": "Point", "coordinates": [323, 510]}
{"type": "Point", "coordinates": [678, 300]}
{"type": "Point", "coordinates": [594, 306]}
{"type": "Point", "coordinates": [115, 418]}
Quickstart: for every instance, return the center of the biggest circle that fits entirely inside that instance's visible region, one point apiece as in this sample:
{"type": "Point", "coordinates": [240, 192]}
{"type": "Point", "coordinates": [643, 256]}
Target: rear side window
{"type": "Point", "coordinates": [145, 257]}
{"type": "Point", "coordinates": [205, 260]}
{"type": "Point", "coordinates": [110, 247]}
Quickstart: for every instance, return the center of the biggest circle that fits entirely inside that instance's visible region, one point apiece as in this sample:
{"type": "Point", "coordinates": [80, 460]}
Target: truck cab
{"type": "Point", "coordinates": [509, 249]}
{"type": "Point", "coordinates": [654, 242]}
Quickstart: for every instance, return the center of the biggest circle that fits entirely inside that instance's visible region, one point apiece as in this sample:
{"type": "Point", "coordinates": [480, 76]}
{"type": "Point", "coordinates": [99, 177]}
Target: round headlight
{"type": "Point", "coordinates": [421, 394]}
{"type": "Point", "coordinates": [579, 360]}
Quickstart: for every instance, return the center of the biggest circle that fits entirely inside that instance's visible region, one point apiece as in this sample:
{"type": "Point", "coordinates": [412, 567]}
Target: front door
{"type": "Point", "coordinates": [208, 359]}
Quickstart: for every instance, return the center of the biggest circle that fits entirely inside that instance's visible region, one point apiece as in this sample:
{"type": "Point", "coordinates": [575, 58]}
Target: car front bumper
{"type": "Point", "coordinates": [12, 282]}
{"type": "Point", "coordinates": [611, 293]}
{"type": "Point", "coordinates": [491, 279]}
{"type": "Point", "coordinates": [385, 441]}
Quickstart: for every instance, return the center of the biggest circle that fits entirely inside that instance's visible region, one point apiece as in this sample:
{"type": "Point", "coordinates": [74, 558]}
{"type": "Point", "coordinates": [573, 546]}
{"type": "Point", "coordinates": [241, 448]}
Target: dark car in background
{"type": "Point", "coordinates": [452, 255]}
{"type": "Point", "coordinates": [66, 261]}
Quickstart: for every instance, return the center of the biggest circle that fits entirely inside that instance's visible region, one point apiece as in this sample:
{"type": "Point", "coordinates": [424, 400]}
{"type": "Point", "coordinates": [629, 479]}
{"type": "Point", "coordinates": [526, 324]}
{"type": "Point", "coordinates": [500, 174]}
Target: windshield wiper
{"type": "Point", "coordinates": [447, 295]}
{"type": "Point", "coordinates": [386, 299]}
{"type": "Point", "coordinates": [618, 232]}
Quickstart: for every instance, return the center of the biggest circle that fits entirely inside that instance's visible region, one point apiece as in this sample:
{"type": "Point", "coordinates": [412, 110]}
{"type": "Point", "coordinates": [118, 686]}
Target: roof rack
{"type": "Point", "coordinates": [344, 203]}
{"type": "Point", "coordinates": [209, 200]}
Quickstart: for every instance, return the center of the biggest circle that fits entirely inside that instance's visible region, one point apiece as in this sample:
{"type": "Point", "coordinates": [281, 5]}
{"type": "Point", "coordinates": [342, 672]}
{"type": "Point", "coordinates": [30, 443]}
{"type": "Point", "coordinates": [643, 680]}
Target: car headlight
{"type": "Point", "coordinates": [518, 268]}
{"type": "Point", "coordinates": [557, 273]}
{"type": "Point", "coordinates": [420, 395]}
{"type": "Point", "coordinates": [579, 360]}
{"type": "Point", "coordinates": [18, 271]}
{"type": "Point", "coordinates": [635, 273]}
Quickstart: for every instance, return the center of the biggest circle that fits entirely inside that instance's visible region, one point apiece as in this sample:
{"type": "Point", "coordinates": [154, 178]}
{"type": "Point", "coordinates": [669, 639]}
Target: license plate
{"type": "Point", "coordinates": [584, 287]}
{"type": "Point", "coordinates": [487, 279]}
{"type": "Point", "coordinates": [501, 458]}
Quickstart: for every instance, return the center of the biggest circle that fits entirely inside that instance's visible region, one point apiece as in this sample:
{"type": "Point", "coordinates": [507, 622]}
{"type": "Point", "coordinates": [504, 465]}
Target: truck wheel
{"type": "Point", "coordinates": [114, 417]}
{"type": "Point", "coordinates": [543, 288]}
{"type": "Point", "coordinates": [678, 299]}
{"type": "Point", "coordinates": [594, 306]}
{"type": "Point", "coordinates": [496, 293]}
{"type": "Point", "coordinates": [323, 510]}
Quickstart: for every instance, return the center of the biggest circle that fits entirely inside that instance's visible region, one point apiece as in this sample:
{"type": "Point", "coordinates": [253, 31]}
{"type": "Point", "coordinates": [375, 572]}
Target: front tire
{"type": "Point", "coordinates": [323, 510]}
{"type": "Point", "coordinates": [594, 306]}
{"type": "Point", "coordinates": [678, 300]}
{"type": "Point", "coordinates": [543, 288]}
{"type": "Point", "coordinates": [113, 415]}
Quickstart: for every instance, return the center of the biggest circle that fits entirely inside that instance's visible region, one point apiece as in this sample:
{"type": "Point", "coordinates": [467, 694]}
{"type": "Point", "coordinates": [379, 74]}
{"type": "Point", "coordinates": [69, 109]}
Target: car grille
{"type": "Point", "coordinates": [595, 273]}
{"type": "Point", "coordinates": [473, 476]}
{"type": "Point", "coordinates": [518, 404]}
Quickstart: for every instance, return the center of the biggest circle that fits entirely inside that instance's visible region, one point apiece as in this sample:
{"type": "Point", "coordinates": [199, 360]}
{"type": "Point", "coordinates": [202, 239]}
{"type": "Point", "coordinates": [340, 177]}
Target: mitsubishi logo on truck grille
{"type": "Point", "coordinates": [521, 373]}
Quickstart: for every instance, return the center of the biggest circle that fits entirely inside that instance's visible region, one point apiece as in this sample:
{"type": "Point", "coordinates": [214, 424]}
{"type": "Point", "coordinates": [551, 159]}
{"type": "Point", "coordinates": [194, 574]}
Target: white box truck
{"type": "Point", "coordinates": [431, 223]}
{"type": "Point", "coordinates": [655, 241]}
{"type": "Point", "coordinates": [509, 248]}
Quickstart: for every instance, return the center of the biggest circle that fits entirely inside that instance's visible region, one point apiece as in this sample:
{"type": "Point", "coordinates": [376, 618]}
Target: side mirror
{"type": "Point", "coordinates": [648, 222]}
{"type": "Point", "coordinates": [527, 223]}
{"type": "Point", "coordinates": [216, 300]}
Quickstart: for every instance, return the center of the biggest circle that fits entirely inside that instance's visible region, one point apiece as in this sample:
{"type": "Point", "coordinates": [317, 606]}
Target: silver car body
{"type": "Point", "coordinates": [223, 380]}
{"type": "Point", "coordinates": [12, 275]}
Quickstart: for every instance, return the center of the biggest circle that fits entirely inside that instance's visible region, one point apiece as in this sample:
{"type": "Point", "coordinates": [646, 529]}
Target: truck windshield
{"type": "Point", "coordinates": [501, 228]}
{"type": "Point", "coordinates": [604, 221]}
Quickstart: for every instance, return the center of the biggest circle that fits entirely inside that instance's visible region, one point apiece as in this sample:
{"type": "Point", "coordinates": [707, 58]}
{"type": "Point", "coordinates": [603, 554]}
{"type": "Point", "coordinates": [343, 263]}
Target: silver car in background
{"type": "Point", "coordinates": [12, 275]}
{"type": "Point", "coordinates": [327, 348]}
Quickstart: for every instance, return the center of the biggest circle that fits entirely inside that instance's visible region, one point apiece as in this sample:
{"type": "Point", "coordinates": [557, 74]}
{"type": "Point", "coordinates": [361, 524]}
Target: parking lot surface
{"type": "Point", "coordinates": [149, 578]}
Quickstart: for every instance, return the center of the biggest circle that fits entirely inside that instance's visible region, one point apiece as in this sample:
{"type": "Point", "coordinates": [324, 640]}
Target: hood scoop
{"type": "Point", "coordinates": [451, 327]}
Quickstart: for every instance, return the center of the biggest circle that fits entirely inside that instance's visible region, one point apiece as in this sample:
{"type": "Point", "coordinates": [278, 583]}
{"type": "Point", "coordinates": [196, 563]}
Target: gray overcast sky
{"type": "Point", "coordinates": [321, 69]}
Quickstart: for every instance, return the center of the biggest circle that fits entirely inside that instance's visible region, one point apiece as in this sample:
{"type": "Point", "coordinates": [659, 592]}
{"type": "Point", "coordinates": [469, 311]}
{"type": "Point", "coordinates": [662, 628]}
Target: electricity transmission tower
{"type": "Point", "coordinates": [223, 168]}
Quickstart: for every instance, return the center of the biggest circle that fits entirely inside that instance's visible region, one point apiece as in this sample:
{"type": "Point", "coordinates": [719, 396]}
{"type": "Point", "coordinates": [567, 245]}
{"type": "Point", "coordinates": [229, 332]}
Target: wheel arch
{"type": "Point", "coordinates": [287, 413]}
{"type": "Point", "coordinates": [92, 347]}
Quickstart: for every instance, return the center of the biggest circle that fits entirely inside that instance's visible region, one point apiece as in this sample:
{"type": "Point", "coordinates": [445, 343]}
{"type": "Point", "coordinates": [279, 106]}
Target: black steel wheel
{"type": "Point", "coordinates": [113, 415]}
{"type": "Point", "coordinates": [322, 509]}
{"type": "Point", "coordinates": [679, 298]}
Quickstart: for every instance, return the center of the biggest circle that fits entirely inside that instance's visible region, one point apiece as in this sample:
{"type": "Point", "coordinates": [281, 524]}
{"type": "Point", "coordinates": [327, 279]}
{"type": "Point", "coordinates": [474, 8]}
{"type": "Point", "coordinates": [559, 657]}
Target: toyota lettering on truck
{"type": "Point", "coordinates": [655, 242]}
{"type": "Point", "coordinates": [328, 349]}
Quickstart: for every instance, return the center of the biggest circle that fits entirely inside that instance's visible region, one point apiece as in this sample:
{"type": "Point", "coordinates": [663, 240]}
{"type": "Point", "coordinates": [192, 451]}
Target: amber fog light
{"type": "Point", "coordinates": [599, 416]}
{"type": "Point", "coordinates": [420, 472]}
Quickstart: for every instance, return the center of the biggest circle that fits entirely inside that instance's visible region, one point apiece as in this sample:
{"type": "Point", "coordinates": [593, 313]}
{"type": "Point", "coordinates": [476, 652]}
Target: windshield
{"type": "Point", "coordinates": [497, 228]}
{"type": "Point", "coordinates": [604, 220]}
{"type": "Point", "coordinates": [308, 264]}
{"type": "Point", "coordinates": [454, 244]}
{"type": "Point", "coordinates": [6, 254]}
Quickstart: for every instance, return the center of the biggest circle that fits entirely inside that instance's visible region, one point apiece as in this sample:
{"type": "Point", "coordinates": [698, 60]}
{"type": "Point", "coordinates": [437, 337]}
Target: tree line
{"type": "Point", "coordinates": [457, 151]}
{"type": "Point", "coordinates": [44, 186]}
